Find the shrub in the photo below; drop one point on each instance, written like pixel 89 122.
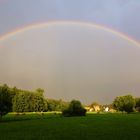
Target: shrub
pixel 75 108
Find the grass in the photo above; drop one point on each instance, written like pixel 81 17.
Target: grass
pixel 52 126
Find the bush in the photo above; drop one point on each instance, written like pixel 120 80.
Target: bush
pixel 74 109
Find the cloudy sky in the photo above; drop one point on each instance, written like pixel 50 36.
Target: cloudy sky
pixel 71 60
pixel 121 15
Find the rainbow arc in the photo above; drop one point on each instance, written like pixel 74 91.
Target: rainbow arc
pixel 51 23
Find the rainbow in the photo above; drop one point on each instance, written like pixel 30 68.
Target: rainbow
pixel 91 25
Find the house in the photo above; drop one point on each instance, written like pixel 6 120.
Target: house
pixel 94 108
pixel 106 109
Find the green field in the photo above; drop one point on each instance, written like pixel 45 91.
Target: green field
pixel 55 127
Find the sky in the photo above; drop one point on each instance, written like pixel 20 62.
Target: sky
pixel 71 60
pixel 121 15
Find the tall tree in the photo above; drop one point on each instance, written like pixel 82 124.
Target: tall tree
pixel 5 100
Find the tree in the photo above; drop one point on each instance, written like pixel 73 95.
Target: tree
pixel 38 102
pixel 75 108
pixel 51 104
pixel 5 100
pixel 124 103
pixel 40 90
pixel 57 105
pixel 137 104
pixel 62 105
pixel 22 102
pixel 45 105
pixel 27 101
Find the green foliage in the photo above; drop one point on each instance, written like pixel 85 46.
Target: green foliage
pixel 56 105
pixel 40 91
pixel 137 104
pixel 75 108
pixel 5 100
pixel 14 99
pixel 38 102
pixel 22 102
pixel 51 104
pixel 124 103
pixel 45 105
pixel 28 102
pixel 13 91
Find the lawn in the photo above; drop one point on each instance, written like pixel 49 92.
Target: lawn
pixel 52 126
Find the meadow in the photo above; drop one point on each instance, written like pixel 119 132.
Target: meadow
pixel 52 126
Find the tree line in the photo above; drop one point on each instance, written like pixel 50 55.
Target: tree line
pixel 18 100
pixel 126 103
